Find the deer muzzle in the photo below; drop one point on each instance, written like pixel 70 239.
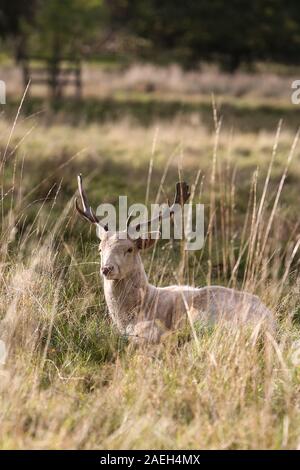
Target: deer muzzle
pixel 107 269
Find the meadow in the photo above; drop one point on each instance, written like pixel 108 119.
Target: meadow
pixel 69 379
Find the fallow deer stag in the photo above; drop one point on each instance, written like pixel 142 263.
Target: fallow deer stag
pixel 147 313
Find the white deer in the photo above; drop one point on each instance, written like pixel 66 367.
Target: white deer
pixel 147 313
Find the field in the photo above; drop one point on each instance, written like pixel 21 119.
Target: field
pixel 69 380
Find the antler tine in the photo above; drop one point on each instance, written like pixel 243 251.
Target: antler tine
pixel 181 196
pixel 87 212
pixel 182 193
pixel 129 218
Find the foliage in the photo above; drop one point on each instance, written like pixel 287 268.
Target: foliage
pixel 227 32
pixel 65 29
pixel 58 29
pixel 230 33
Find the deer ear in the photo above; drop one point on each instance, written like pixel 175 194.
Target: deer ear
pixel 144 243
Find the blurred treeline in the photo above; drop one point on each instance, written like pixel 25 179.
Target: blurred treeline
pixel 188 32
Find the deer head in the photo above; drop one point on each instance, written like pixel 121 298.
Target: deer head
pixel 119 254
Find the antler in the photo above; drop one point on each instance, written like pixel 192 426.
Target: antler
pixel 182 194
pixel 87 211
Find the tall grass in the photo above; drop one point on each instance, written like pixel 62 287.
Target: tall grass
pixel 70 381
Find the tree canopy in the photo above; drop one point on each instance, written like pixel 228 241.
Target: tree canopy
pixel 189 32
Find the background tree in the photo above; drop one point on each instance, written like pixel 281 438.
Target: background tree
pixel 68 28
pixel 225 32
pixel 13 15
pixel 229 33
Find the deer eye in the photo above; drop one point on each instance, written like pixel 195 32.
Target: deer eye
pixel 130 250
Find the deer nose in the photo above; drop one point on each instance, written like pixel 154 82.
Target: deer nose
pixel 107 269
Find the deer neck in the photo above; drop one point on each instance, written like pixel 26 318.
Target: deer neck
pixel 125 297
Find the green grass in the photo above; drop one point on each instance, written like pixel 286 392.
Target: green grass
pixel 70 380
